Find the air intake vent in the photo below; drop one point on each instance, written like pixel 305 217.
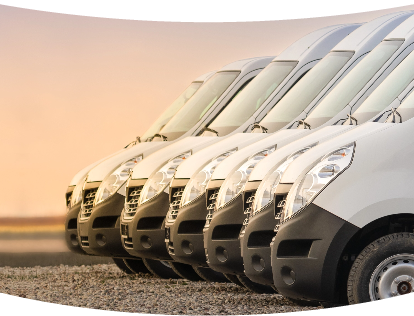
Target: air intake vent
pixel 248 199
pixel 84 241
pixel 280 201
pixel 132 199
pixel 87 202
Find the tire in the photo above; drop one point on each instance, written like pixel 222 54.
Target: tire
pixel 185 271
pixel 122 266
pixel 136 265
pixel 160 269
pixel 255 287
pixel 233 279
pixel 385 268
pixel 210 275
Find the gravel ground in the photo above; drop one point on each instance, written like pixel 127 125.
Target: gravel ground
pixel 104 286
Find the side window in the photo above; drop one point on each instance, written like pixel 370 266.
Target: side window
pixel 231 99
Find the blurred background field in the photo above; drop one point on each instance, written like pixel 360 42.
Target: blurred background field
pixel 38 241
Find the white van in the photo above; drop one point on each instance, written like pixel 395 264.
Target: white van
pixel 225 221
pixel 148 195
pixel 346 215
pixel 187 215
pixel 256 236
pixel 74 191
pixel 103 193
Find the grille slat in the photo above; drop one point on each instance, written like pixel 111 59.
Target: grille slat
pixel 211 198
pixel 87 202
pixel 247 206
pixel 132 198
pixel 177 195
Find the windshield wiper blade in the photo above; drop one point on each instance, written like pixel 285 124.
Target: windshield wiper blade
pixel 393 113
pixel 134 142
pixel 163 137
pixel 257 125
pixel 305 124
pixel 351 118
pixel 208 129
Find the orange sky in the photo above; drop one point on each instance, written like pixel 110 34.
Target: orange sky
pixel 74 89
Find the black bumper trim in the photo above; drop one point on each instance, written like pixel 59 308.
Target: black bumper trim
pixel 315 276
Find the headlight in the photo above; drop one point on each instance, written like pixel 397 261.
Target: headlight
pixel 115 180
pixel 161 179
pixel 267 188
pixel 324 170
pixel 198 183
pixel 77 192
pixel 235 183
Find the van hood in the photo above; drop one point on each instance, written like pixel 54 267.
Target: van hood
pixel 147 167
pixel 303 162
pixel 99 172
pixel 82 173
pixel 198 160
pixel 280 138
pixel 320 135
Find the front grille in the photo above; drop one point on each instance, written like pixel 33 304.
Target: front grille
pixel 170 248
pixel 68 198
pixel 280 201
pixel 175 201
pixel 128 243
pixel 211 202
pixel 248 207
pixel 84 241
pixel 132 199
pixel 87 202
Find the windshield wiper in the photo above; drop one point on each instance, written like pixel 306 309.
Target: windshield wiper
pixel 351 118
pixel 208 129
pixel 257 125
pixel 163 137
pixel 134 142
pixel 393 113
pixel 305 124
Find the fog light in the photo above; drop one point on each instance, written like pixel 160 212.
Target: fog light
pixel 288 275
pixel 258 263
pixel 187 247
pixel 74 240
pixel 101 240
pixel 146 242
pixel 221 254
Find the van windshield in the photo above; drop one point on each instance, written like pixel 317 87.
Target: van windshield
pixel 171 110
pixel 353 82
pixel 242 107
pixel 303 93
pixel 388 90
pixel 199 104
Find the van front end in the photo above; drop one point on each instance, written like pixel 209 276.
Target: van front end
pixel 184 230
pixel 307 253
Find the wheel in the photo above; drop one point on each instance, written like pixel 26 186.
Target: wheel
pixel 136 265
pixel 255 287
pixel 233 279
pixel 385 268
pixel 185 271
pixel 161 269
pixel 121 265
pixel 210 275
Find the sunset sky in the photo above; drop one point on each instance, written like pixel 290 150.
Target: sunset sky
pixel 75 89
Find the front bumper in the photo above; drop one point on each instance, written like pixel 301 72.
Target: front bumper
pixel 185 238
pixel 100 233
pixel 221 238
pixel 306 253
pixel 144 235
pixel 255 245
pixel 71 229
